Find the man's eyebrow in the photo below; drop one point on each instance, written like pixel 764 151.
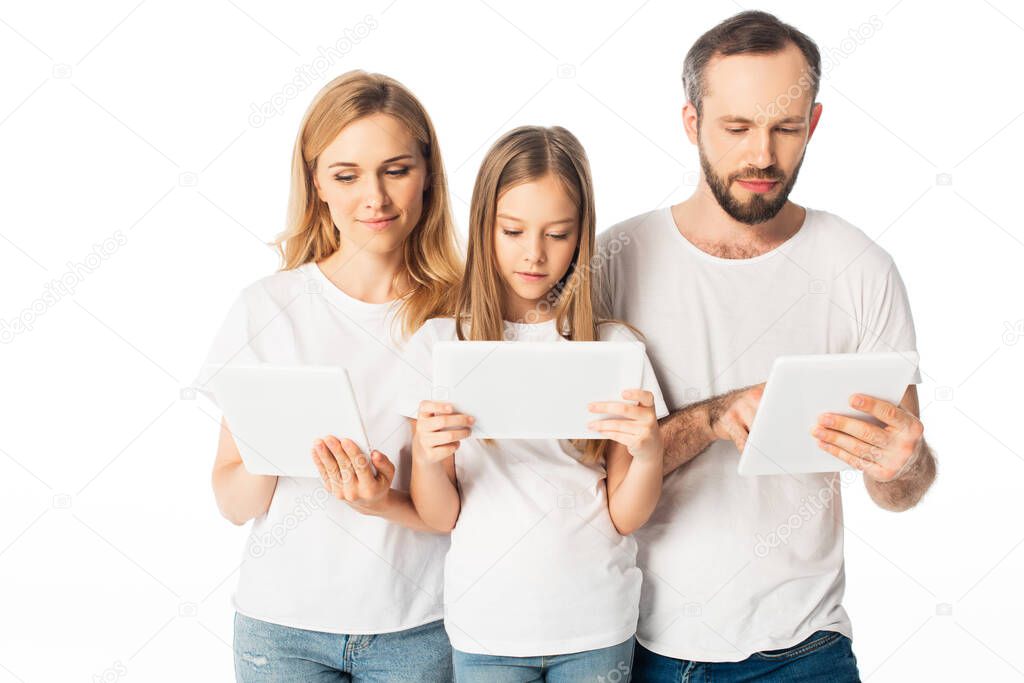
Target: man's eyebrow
pixel 386 161
pixel 518 220
pixel 742 119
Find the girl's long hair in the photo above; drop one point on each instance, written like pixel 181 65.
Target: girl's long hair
pixel 431 263
pixel 524 155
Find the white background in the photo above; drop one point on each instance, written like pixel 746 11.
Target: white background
pixel 132 121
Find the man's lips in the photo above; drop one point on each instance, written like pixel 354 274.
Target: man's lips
pixel 759 186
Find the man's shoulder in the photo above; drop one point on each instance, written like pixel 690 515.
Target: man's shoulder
pixel 856 249
pixel 625 233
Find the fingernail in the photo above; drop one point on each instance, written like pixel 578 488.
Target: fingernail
pixel 857 401
pixel 826 420
pixel 818 432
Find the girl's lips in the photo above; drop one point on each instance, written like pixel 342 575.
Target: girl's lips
pixel 531 277
pixel 759 186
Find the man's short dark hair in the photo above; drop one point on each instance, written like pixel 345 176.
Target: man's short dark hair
pixel 750 32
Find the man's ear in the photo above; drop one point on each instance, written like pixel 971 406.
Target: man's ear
pixel 690 122
pixel 815 116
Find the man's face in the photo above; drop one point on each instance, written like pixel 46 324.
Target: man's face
pixel 753 130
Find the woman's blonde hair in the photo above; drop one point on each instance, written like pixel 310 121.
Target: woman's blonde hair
pixel 523 155
pixel 431 262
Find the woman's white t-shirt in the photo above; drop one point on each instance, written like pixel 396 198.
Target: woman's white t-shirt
pixel 535 566
pixel 311 561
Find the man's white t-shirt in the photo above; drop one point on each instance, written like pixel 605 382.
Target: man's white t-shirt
pixel 735 565
pixel 536 567
pixel 311 561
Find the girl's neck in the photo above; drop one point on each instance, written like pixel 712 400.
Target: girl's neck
pixel 364 275
pixel 520 310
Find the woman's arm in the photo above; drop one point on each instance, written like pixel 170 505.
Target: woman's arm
pixel 240 495
pixel 346 473
pixel 634 462
pixel 437 431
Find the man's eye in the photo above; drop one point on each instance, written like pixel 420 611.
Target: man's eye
pixel 789 131
pixel 736 131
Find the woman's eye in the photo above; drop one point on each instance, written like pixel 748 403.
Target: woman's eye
pixel 397 172
pixel 345 178
pixel 511 233
pixel 558 235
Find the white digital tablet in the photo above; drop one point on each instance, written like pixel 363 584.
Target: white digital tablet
pixel 534 390
pixel 276 413
pixel 800 389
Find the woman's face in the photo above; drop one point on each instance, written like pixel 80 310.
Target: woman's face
pixel 372 178
pixel 535 236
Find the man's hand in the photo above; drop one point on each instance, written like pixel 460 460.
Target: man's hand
pixel 730 415
pixel 882 453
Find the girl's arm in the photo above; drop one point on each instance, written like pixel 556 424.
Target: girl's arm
pixel 240 495
pixel 437 431
pixel 634 462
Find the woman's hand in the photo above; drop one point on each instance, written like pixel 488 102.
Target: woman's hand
pixel 347 474
pixel 438 431
pixel 637 430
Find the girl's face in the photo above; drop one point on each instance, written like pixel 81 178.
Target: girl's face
pixel 372 178
pixel 535 236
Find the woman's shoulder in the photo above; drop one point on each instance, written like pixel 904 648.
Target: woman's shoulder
pixel 437 329
pixel 281 287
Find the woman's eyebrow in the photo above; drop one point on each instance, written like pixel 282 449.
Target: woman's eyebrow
pixel 386 161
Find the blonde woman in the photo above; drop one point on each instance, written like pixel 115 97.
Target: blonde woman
pixel 342 580
pixel 541 581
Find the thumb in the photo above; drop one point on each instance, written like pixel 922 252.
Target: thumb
pixel 383 465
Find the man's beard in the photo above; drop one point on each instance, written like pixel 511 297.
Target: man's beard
pixel 757 209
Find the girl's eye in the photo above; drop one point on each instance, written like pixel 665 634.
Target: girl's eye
pixel 398 172
pixel 345 178
pixel 511 233
pixel 559 236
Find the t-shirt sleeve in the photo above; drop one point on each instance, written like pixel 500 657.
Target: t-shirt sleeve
pixel 230 346
pixel 618 332
pixel 888 324
pixel 416 377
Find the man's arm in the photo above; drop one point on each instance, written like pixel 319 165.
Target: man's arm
pixel 689 431
pixel 897 463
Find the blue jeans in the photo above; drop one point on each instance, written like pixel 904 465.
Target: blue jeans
pixel 267 652
pixel 604 665
pixel 825 657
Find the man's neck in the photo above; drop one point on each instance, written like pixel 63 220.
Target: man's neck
pixel 703 222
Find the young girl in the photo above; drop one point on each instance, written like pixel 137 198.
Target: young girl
pixel 345 589
pixel 541 579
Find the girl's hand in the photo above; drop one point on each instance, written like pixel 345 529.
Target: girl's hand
pixel 438 431
pixel 346 473
pixel 639 431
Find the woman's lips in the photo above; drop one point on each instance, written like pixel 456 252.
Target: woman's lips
pixel 759 186
pixel 379 224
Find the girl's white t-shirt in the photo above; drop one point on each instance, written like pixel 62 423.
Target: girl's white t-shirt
pixel 535 566
pixel 311 561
